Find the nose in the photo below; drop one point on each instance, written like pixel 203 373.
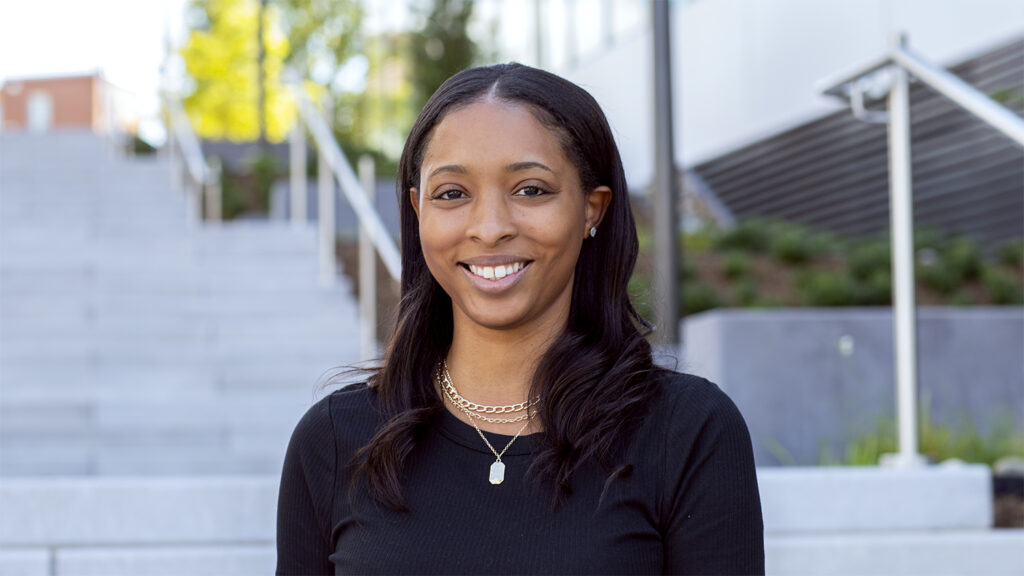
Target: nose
pixel 491 220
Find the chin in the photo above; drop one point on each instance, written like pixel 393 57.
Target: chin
pixel 496 321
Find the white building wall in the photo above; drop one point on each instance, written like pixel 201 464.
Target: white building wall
pixel 746 69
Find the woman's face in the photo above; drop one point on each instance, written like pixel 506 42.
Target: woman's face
pixel 502 216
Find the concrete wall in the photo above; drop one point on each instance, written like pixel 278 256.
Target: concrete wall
pixel 807 378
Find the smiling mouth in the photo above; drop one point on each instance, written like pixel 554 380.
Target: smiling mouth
pixel 496 272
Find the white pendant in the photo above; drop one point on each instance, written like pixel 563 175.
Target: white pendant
pixel 497 472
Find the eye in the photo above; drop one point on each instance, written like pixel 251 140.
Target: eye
pixel 450 194
pixel 531 191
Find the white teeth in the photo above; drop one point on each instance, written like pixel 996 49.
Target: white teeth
pixel 496 272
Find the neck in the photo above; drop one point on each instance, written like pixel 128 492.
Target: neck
pixel 496 367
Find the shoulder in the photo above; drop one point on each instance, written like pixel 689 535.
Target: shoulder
pixel 345 419
pixel 688 405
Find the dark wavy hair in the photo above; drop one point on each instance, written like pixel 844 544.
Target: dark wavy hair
pixel 596 377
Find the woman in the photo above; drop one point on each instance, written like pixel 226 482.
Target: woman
pixel 518 424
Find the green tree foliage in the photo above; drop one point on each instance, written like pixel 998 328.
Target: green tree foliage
pixel 323 34
pixel 221 59
pixel 221 53
pixel 441 47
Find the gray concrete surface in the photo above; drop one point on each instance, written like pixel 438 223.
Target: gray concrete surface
pixel 812 380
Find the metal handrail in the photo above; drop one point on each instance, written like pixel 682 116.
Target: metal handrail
pixel 205 176
pixel 345 176
pixel 900 63
pixel 333 167
pixel 969 98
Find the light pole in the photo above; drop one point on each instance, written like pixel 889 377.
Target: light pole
pixel 666 257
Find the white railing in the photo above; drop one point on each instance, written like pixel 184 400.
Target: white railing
pixel 900 63
pixel 201 178
pixel 333 167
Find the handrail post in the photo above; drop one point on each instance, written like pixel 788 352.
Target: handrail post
pixel 367 268
pixel 214 193
pixel 297 157
pixel 902 222
pixel 194 192
pixel 174 155
pixel 325 209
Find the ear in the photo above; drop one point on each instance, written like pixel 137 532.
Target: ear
pixel 596 202
pixel 414 199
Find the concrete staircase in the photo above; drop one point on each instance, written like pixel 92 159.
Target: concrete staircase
pixel 134 342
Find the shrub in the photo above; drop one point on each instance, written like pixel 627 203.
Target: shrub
pixel 870 257
pixel 698 298
pixel 699 241
pixel 825 288
pixel 1002 287
pixel 939 278
pixel 963 259
pixel 961 298
pixel 640 296
pixel 792 244
pixel 749 236
pixel 937 441
pixel 876 290
pixel 735 265
pixel 745 293
pixel 1012 254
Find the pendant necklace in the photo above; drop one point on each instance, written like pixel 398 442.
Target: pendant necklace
pixel 497 471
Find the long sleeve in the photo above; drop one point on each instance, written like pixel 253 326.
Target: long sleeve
pixel 713 508
pixel 306 495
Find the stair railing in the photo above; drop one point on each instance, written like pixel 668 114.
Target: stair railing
pixel 374 237
pixel 189 169
pixel 900 63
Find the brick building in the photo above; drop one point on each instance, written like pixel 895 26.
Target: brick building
pixel 79 102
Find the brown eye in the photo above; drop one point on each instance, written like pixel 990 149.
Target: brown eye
pixel 531 191
pixel 450 194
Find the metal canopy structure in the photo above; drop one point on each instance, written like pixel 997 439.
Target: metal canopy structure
pixel 900 63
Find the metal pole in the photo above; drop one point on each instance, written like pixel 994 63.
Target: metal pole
pixel 572 53
pixel 297 157
pixel 538 34
pixel 174 154
pixel 902 224
pixel 214 200
pixel 261 83
pixel 367 269
pixel 325 209
pixel 608 22
pixel 664 192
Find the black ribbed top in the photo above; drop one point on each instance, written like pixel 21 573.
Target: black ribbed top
pixel 689 503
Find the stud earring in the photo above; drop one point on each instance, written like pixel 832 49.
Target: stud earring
pixel 593 231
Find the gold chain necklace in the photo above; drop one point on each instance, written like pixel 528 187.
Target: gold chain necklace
pixel 458 400
pixel 520 418
pixel 497 471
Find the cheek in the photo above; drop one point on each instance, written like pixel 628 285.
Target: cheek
pixel 436 240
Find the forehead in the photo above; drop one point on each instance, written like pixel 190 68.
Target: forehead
pixel 492 132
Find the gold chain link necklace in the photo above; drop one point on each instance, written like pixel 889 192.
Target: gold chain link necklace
pixel 497 470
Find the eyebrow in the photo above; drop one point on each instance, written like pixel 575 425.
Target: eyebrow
pixel 514 167
pixel 448 168
pixel 520 166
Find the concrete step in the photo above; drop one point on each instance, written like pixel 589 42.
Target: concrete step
pixel 239 559
pixel 897 553
pixel 137 511
pixel 88 377
pixel 867 498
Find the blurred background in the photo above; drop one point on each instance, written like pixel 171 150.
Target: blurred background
pixel 198 228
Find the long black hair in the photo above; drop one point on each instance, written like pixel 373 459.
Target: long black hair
pixel 596 377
